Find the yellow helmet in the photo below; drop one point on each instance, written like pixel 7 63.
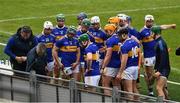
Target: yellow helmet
pixel 114 20
pixel 110 27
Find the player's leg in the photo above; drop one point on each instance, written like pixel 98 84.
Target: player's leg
pixel 128 81
pixel 116 83
pixel 56 72
pixel 135 77
pixel 108 75
pixel 82 70
pixel 76 73
pixel 129 88
pixel 160 86
pixel 148 75
pixel 50 69
pixel 166 90
pixel 106 80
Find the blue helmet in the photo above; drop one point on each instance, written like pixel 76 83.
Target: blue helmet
pixel 129 19
pixel 82 15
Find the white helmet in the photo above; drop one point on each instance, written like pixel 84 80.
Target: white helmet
pixel 95 19
pixel 122 16
pixel 148 17
pixel 48 25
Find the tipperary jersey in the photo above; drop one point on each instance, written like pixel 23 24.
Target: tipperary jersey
pixel 67 50
pixel 49 41
pixel 113 42
pixel 131 47
pixel 100 37
pixel 133 31
pixel 59 32
pixel 148 42
pixel 92 48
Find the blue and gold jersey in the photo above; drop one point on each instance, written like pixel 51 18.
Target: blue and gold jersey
pixel 49 41
pixel 67 50
pixel 100 38
pixel 92 48
pixel 148 42
pixel 131 47
pixel 59 32
pixel 113 42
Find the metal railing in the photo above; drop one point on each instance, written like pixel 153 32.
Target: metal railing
pixel 35 88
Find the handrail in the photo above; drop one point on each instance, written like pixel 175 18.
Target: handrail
pixel 83 84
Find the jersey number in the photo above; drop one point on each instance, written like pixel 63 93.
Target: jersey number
pixel 135 52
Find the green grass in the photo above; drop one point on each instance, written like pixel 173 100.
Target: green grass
pixel 37 8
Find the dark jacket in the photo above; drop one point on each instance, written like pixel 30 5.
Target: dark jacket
pixel 16 46
pixel 178 51
pixel 162 64
pixel 35 62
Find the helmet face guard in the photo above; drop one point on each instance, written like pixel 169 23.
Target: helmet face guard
pixel 81 16
pixel 71 32
pixel 86 22
pixel 60 18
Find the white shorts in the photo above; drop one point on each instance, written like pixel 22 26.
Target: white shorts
pixel 112 72
pixel 50 66
pixel 149 61
pixel 92 80
pixel 130 73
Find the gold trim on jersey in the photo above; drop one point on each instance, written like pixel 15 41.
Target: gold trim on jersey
pixel 68 48
pixel 116 48
pixel 59 37
pixel 49 45
pixel 94 57
pixel 98 40
pixel 148 39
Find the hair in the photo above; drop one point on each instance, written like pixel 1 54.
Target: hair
pixel 26 29
pixel 122 32
pixel 41 49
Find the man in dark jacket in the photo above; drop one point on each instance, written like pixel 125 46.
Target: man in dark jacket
pixel 37 59
pixel 18 46
pixel 162 65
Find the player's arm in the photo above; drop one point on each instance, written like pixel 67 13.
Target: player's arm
pixel 168 26
pixel 55 55
pixel 107 57
pixel 89 61
pixel 77 58
pixel 134 38
pixel 124 59
pixel 140 57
